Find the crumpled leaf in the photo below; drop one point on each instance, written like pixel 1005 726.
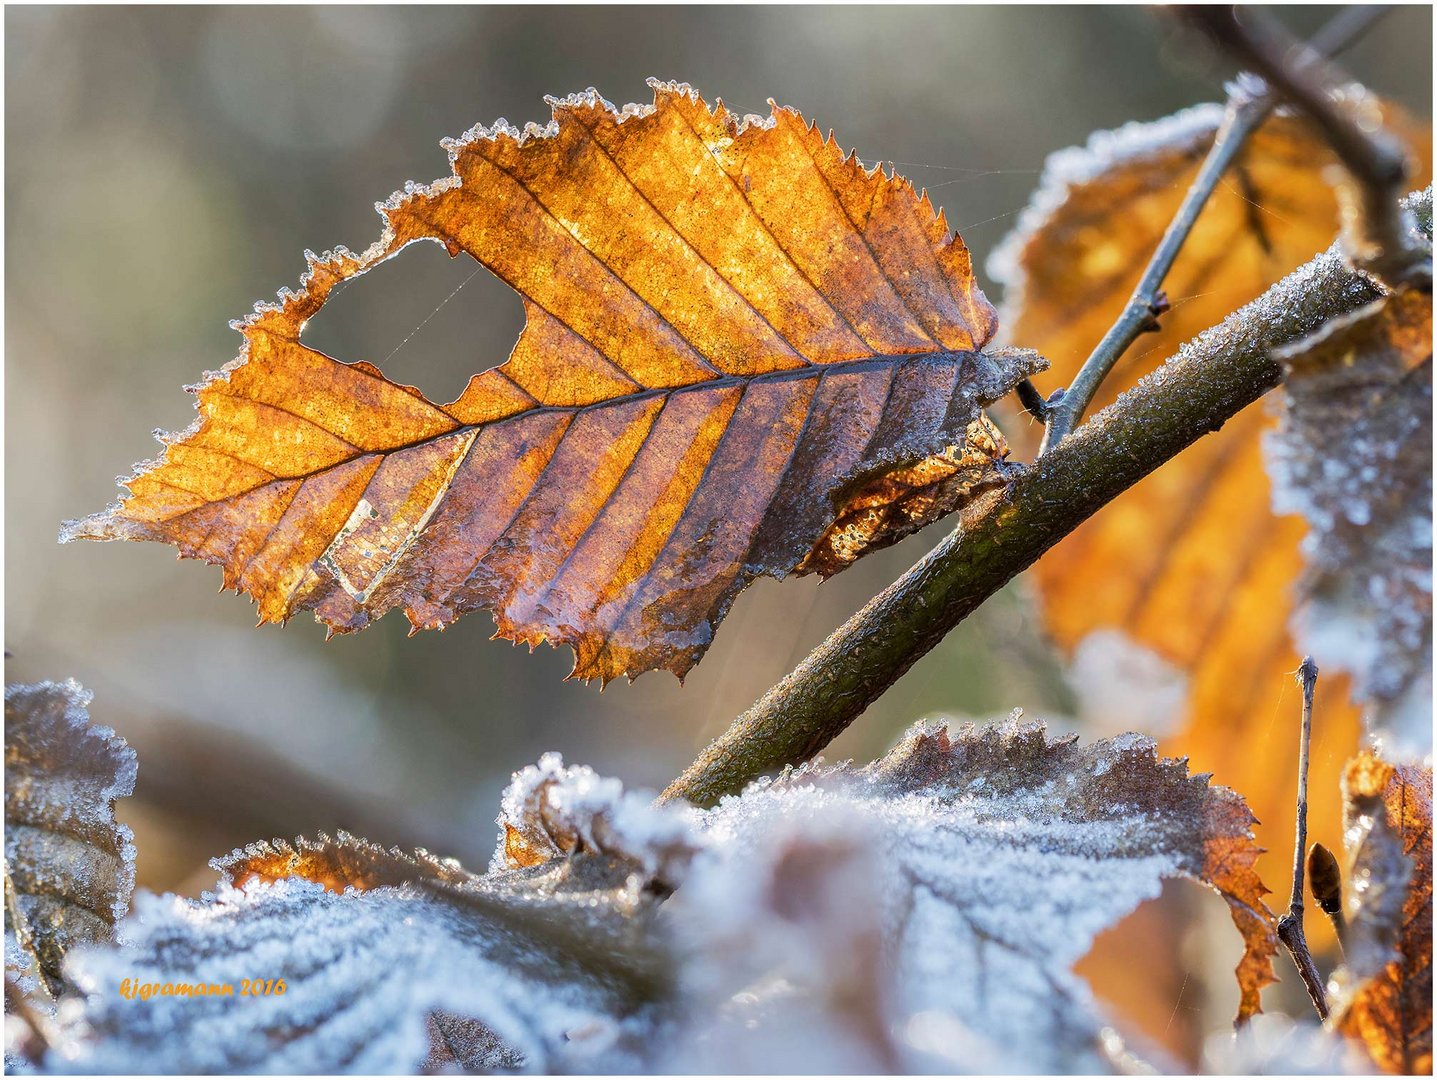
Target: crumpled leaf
pixel 1000 855
pixel 1383 993
pixel 921 913
pixel 1352 453
pixel 1191 563
pixel 551 810
pixel 733 328
pixel 388 959
pixel 69 866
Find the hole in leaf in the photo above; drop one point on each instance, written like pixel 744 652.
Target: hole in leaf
pixel 422 318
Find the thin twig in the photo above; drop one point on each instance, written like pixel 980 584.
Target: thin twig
pixel 1248 106
pixel 1374 229
pixel 1289 927
pixel 999 536
pixel 33 1045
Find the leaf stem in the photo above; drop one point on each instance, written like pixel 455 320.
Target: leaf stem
pixel 1205 384
pixel 1248 105
pixel 1289 927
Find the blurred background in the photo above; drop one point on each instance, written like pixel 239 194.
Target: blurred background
pixel 166 167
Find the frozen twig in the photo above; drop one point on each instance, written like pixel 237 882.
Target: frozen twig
pixel 1248 106
pixel 1289 927
pixel 1374 229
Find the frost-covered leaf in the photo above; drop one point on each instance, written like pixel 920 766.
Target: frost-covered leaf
pixel 922 913
pixel 1352 453
pixel 551 810
pixel 1192 562
pixel 388 960
pixel 1383 993
pixel 1278 1045
pixel 69 866
pixel 745 354
pixel 996 857
pixel 784 967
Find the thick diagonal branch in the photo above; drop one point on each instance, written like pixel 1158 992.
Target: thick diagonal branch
pixel 1201 388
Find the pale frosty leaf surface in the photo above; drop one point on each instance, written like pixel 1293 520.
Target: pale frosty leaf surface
pixel 69 865
pixel 919 914
pixel 1352 454
pixel 388 960
pixel 1278 1045
pixel 999 855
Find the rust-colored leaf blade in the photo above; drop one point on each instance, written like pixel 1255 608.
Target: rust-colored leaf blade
pixel 732 327
pixel 1384 990
pixel 1191 563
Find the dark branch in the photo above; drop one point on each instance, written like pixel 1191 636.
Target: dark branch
pixel 1243 117
pixel 1203 386
pixel 1289 927
pixel 1375 231
pixel 1247 107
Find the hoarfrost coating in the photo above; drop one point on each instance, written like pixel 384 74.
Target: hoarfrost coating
pixel 920 914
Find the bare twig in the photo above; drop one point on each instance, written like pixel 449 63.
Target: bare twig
pixel 1248 106
pixel 1375 232
pixel 1209 381
pixel 1147 302
pixel 1289 927
pixel 36 1041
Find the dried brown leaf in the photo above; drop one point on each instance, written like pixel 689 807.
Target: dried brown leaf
pixel 69 866
pixel 732 327
pixel 1384 990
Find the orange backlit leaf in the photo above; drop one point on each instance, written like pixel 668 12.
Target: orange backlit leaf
pixel 732 327
pixel 1191 563
pixel 1384 989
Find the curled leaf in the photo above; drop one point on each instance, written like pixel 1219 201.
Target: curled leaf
pixel 920 913
pixel 732 329
pixel 551 810
pixel 1352 453
pixel 69 865
pixel 1383 992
